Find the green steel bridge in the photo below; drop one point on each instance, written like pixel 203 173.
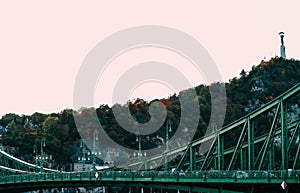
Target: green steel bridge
pixel 192 181
pixel 256 153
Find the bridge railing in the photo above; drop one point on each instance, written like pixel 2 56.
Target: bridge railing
pixel 150 175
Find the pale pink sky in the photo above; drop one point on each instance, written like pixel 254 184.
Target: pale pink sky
pixel 43 44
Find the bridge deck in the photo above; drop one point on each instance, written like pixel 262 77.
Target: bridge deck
pixel 197 178
pixel 161 176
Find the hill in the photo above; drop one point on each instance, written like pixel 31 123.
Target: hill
pixel 244 94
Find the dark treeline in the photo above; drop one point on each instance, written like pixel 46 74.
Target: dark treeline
pixel 244 94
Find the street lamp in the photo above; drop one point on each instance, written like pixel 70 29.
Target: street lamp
pixel 168 130
pixel 139 154
pixel 84 156
pixel 138 139
pixel 39 159
pixel 95 152
pixel 35 152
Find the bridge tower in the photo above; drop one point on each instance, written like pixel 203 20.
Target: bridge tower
pixel 282 47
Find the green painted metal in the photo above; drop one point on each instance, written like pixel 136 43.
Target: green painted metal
pixel 17 164
pixel 296 161
pixel 159 163
pixel 225 180
pixel 294 136
pixel 269 140
pixel 243 159
pixel 166 165
pixel 284 138
pixel 209 154
pixel 231 150
pixel 182 159
pixel 249 161
pixel 192 156
pixel 250 143
pixel 220 155
pixel 237 148
pixel 271 165
pixel 248 155
pixel 215 160
pixel 256 141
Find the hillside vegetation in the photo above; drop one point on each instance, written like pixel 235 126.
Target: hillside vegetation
pixel 245 93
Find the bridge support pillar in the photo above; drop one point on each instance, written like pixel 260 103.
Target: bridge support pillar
pixel 250 144
pixel 271 157
pixel 243 159
pixel 220 152
pixel 284 140
pixel 166 166
pixel 296 161
pixel 192 158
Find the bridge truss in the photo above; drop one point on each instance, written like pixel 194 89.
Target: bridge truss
pixel 11 165
pixel 261 148
pixel 266 139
